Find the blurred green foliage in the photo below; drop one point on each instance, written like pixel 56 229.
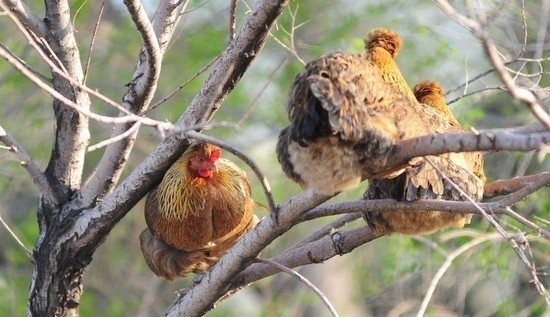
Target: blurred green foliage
pixel 388 275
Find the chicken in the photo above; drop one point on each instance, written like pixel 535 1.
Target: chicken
pixel 424 182
pixel 432 94
pixel 382 46
pixel 343 117
pixel 347 112
pixel 201 208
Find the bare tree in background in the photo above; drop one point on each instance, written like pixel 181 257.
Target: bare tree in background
pixel 77 213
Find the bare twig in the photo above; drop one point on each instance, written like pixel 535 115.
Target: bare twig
pixel 92 41
pixel 292 48
pixel 471 80
pixel 180 87
pixel 302 279
pixel 29 253
pixel 114 139
pixel 524 26
pixel 517 92
pixel 543 28
pixel 94 116
pixel 24 64
pixel 478 29
pixel 512 214
pixel 488 140
pixel 538 284
pixel 148 86
pixel 445 266
pixel 25 15
pixel 57 68
pixel 232 18
pixel 256 99
pixel 507 186
pixel 28 164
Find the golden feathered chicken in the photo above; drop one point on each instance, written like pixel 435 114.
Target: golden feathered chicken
pixel 201 208
pixel 424 182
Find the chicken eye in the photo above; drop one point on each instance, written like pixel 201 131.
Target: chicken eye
pixel 201 160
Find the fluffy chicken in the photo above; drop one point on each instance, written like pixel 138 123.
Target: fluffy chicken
pixel 201 208
pixel 347 112
pixel 423 181
pixel 431 93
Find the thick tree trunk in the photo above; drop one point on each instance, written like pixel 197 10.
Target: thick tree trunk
pixel 56 280
pixel 57 277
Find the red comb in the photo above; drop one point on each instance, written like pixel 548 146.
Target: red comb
pixel 215 155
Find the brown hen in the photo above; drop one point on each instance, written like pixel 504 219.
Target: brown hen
pixel 347 111
pixel 424 181
pixel 432 94
pixel 382 46
pixel 202 206
pixel 344 121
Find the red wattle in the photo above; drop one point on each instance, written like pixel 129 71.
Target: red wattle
pixel 205 173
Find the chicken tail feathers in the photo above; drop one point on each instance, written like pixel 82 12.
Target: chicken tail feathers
pixel 423 181
pixel 170 263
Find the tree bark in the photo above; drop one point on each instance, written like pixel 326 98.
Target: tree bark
pixel 56 279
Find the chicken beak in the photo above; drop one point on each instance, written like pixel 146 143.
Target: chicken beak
pixel 215 168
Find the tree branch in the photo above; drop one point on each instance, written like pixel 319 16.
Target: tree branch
pixel 218 280
pixel 130 118
pixel 43 49
pixel 44 186
pixel 508 186
pixel 183 85
pixel 302 279
pixel 488 140
pixel 137 98
pixel 92 41
pixel 151 72
pixel 71 134
pixel 478 29
pixel 26 16
pixel 318 251
pixel 14 236
pixel 307 251
pixel 448 261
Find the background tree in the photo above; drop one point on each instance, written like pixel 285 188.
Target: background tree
pixel 104 156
